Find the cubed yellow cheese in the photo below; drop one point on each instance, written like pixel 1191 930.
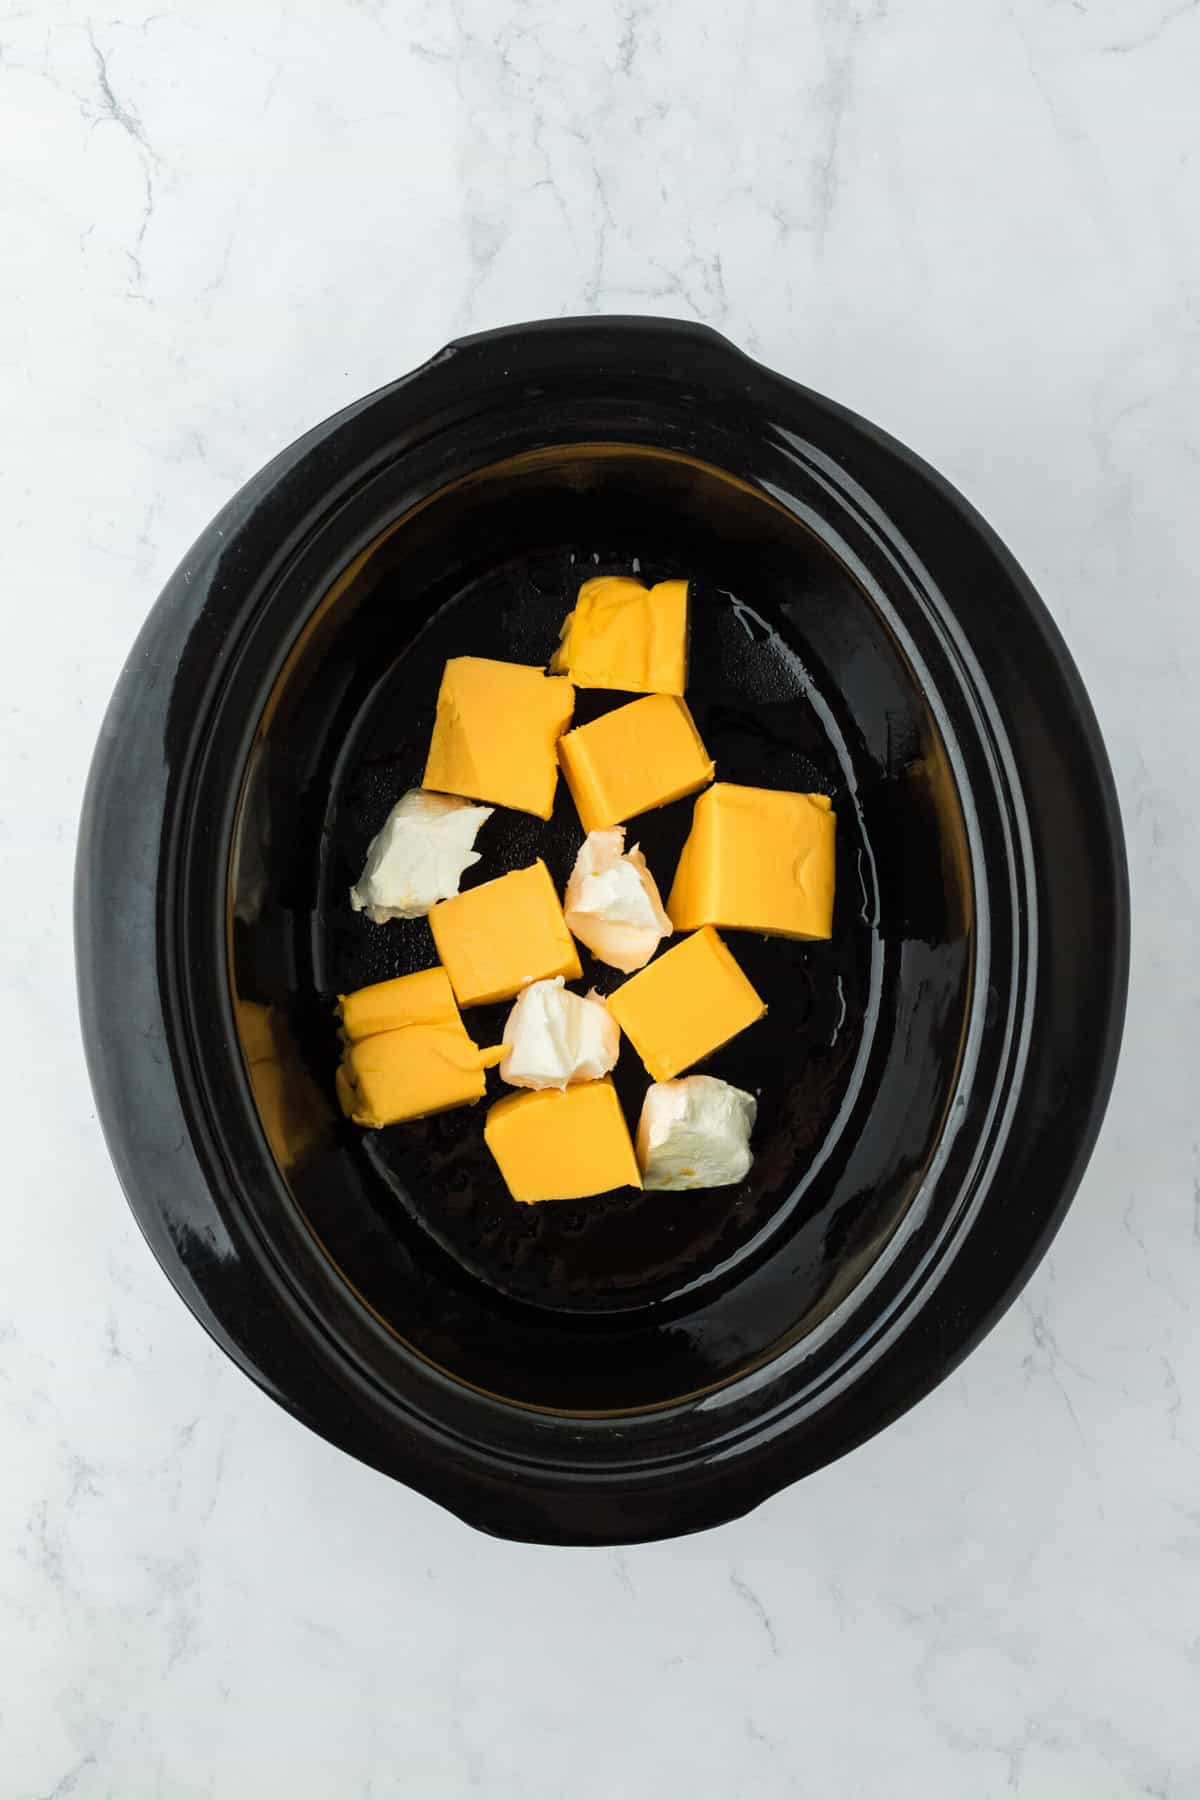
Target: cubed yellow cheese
pixel 407 1051
pixel 499 936
pixel 685 1005
pixel 638 757
pixel 423 999
pixel 757 859
pixel 567 1145
pixel 497 727
pixel 623 634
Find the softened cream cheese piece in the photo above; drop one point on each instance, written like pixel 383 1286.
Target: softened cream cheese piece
pixel 613 904
pixel 695 1133
pixel 419 857
pixel 553 1037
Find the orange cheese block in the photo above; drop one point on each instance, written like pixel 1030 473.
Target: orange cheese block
pixel 757 859
pixel 562 1144
pixel 422 999
pixel 496 938
pixel 496 732
pixel 628 761
pixel 407 1052
pixel 623 634
pixel 685 1004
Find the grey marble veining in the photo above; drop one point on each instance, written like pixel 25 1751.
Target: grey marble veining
pixel 978 225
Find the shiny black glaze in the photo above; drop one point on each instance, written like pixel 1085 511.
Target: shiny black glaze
pixel 679 1291
pixel 931 1081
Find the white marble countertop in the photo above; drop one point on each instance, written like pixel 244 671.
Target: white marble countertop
pixel 976 224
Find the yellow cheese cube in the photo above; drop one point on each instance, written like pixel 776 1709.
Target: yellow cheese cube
pixel 497 937
pixel 623 634
pixel 495 734
pixel 562 1145
pixel 407 1051
pixel 423 999
pixel 685 1005
pixel 638 757
pixel 757 859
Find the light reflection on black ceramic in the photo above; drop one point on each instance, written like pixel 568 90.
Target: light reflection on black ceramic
pixel 930 1081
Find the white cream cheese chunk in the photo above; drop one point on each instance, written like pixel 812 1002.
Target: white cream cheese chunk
pixel 695 1133
pixel 613 904
pixel 419 857
pixel 553 1037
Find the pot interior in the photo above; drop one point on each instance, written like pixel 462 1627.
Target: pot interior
pixel 630 1300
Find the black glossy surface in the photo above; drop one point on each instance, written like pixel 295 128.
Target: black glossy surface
pixel 931 1081
pixel 855 1060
